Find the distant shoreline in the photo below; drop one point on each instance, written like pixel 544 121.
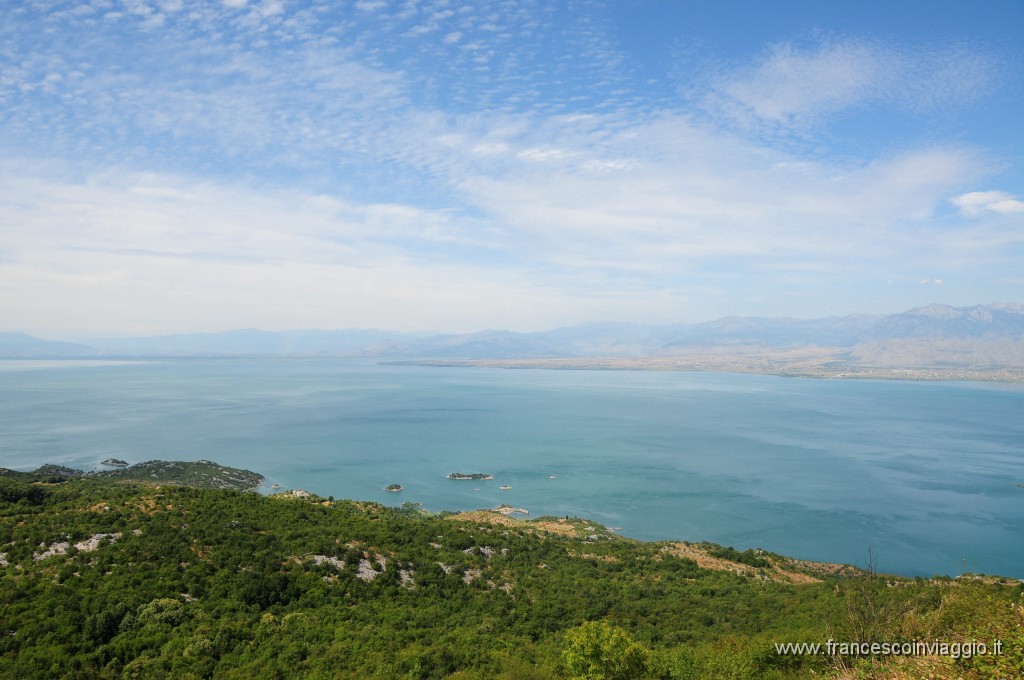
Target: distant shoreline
pixel 746 365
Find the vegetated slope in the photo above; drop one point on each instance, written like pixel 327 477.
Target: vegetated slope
pixel 202 474
pixel 104 579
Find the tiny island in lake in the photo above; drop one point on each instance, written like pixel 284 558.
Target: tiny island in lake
pixel 475 475
pixel 394 488
pixel 115 462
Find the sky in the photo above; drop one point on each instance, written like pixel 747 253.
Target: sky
pixel 446 165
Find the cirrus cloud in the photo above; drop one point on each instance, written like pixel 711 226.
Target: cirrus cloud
pixel 794 86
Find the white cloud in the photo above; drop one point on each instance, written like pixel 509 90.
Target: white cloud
pixel 270 8
pixel 606 166
pixel 490 148
pixel 421 29
pixel 543 155
pixel 975 203
pixel 154 21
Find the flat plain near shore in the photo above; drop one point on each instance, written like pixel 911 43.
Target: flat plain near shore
pixel 814 366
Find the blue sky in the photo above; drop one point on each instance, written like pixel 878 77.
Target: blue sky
pixel 175 165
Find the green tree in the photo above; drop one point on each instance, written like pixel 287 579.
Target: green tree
pixel 597 650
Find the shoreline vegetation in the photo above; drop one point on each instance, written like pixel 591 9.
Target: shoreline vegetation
pixel 113 578
pixel 205 474
pixel 813 366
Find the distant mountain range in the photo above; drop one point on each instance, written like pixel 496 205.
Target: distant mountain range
pixel 982 336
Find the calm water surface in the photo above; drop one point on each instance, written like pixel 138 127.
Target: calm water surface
pixel 923 474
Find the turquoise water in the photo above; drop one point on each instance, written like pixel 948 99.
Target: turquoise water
pixel 921 473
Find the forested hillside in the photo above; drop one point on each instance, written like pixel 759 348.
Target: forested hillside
pixel 107 579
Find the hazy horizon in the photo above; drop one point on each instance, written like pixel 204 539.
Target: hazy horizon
pixel 71 337
pixel 173 166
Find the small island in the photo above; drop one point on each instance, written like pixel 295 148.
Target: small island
pixel 115 462
pixel 394 488
pixel 475 475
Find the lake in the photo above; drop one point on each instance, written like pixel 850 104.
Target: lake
pixel 921 473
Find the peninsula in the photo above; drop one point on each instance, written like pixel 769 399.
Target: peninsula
pixel 201 474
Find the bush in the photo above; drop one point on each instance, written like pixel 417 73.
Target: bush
pixel 599 651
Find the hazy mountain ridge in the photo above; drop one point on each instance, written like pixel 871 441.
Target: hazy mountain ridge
pixel 940 335
pixel 249 341
pixel 22 346
pixel 936 335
